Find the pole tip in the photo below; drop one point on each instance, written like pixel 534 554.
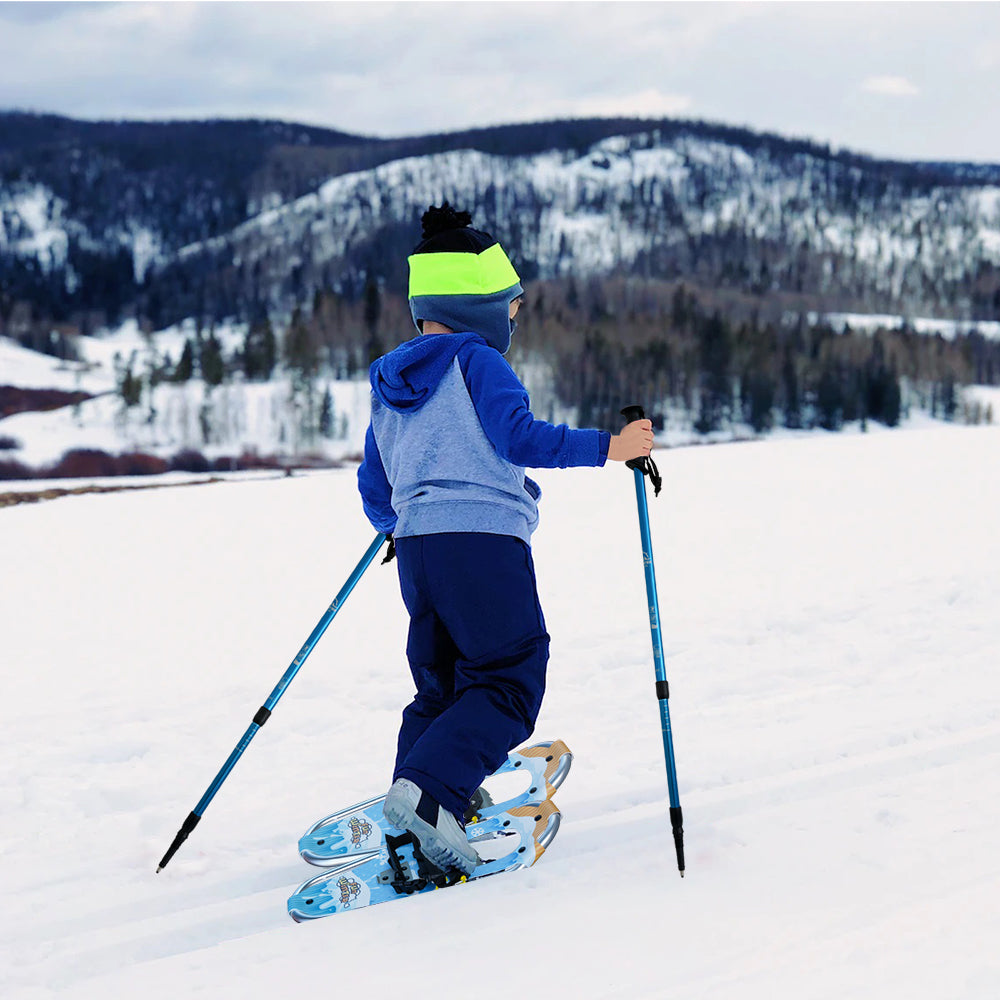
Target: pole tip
pixel 159 868
pixel 682 873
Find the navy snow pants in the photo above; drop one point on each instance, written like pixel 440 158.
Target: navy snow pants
pixel 477 649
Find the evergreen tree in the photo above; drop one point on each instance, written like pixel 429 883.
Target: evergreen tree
pixel 893 407
pixel 301 353
pixel 853 394
pixel 130 388
pixel 260 351
pixel 829 400
pixel 680 308
pixel 716 391
pixel 757 397
pixel 213 368
pixel 883 395
pixel 948 398
pixel 373 312
pixel 326 415
pixel 185 366
pixel 302 357
pixel 793 398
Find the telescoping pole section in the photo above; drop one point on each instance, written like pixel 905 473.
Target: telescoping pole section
pixel 641 468
pixel 264 712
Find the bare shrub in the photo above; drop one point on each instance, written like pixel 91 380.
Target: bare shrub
pixel 82 463
pixel 15 470
pixel 137 463
pixel 190 460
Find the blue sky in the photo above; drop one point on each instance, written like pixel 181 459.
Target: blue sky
pixel 907 80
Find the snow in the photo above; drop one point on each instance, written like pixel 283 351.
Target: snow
pixel 711 184
pixel 31 370
pixel 225 421
pixel 35 214
pixel 245 417
pixel 830 609
pixel 146 251
pixel 99 354
pixel 949 329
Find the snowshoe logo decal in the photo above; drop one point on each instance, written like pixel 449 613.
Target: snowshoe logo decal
pixel 350 889
pixel 361 829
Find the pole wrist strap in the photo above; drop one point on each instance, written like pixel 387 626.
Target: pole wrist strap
pixel 647 467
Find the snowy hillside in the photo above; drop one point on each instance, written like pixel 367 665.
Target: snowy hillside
pixel 640 204
pixel 223 218
pixel 579 200
pixel 834 694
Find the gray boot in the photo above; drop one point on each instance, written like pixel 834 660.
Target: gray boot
pixel 441 837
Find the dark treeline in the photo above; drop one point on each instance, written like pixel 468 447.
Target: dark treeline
pixel 680 351
pixel 688 356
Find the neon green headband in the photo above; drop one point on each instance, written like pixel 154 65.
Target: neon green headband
pixel 461 273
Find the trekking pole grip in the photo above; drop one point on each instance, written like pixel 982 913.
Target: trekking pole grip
pixel 631 414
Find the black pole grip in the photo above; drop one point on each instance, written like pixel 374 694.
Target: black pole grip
pixel 631 414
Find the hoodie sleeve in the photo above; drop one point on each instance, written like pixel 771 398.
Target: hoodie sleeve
pixel 376 494
pixel 502 405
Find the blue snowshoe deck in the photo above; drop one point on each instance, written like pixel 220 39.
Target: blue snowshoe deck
pixel 361 829
pixel 399 869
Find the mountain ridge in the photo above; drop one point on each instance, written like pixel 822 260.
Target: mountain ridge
pixel 94 216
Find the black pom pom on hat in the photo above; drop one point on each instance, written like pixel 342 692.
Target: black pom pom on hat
pixel 439 220
pixel 449 230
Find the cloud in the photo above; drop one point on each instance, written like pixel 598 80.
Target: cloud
pixel 649 103
pixel 987 55
pixel 890 86
pixel 33 13
pixel 410 68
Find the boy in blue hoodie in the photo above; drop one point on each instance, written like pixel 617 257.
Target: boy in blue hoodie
pixel 450 437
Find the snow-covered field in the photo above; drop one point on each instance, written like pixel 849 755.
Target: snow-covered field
pixel 832 622
pixel 227 420
pixel 267 418
pixel 949 329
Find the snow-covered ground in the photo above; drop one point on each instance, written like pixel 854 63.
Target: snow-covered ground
pixel 225 420
pixel 99 355
pixel 831 609
pixel 949 329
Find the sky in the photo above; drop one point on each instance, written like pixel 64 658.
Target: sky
pixel 904 80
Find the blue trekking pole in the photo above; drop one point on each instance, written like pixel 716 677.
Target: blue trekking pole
pixel 643 467
pixel 264 712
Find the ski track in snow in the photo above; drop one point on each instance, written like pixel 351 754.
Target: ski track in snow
pixel 830 614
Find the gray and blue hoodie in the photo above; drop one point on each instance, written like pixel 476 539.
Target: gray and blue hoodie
pixel 450 437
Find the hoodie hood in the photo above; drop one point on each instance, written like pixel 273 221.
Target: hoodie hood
pixel 404 379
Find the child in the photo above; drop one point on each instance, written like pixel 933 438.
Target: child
pixel 450 436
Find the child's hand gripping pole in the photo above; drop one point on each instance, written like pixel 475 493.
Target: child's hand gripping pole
pixel 642 467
